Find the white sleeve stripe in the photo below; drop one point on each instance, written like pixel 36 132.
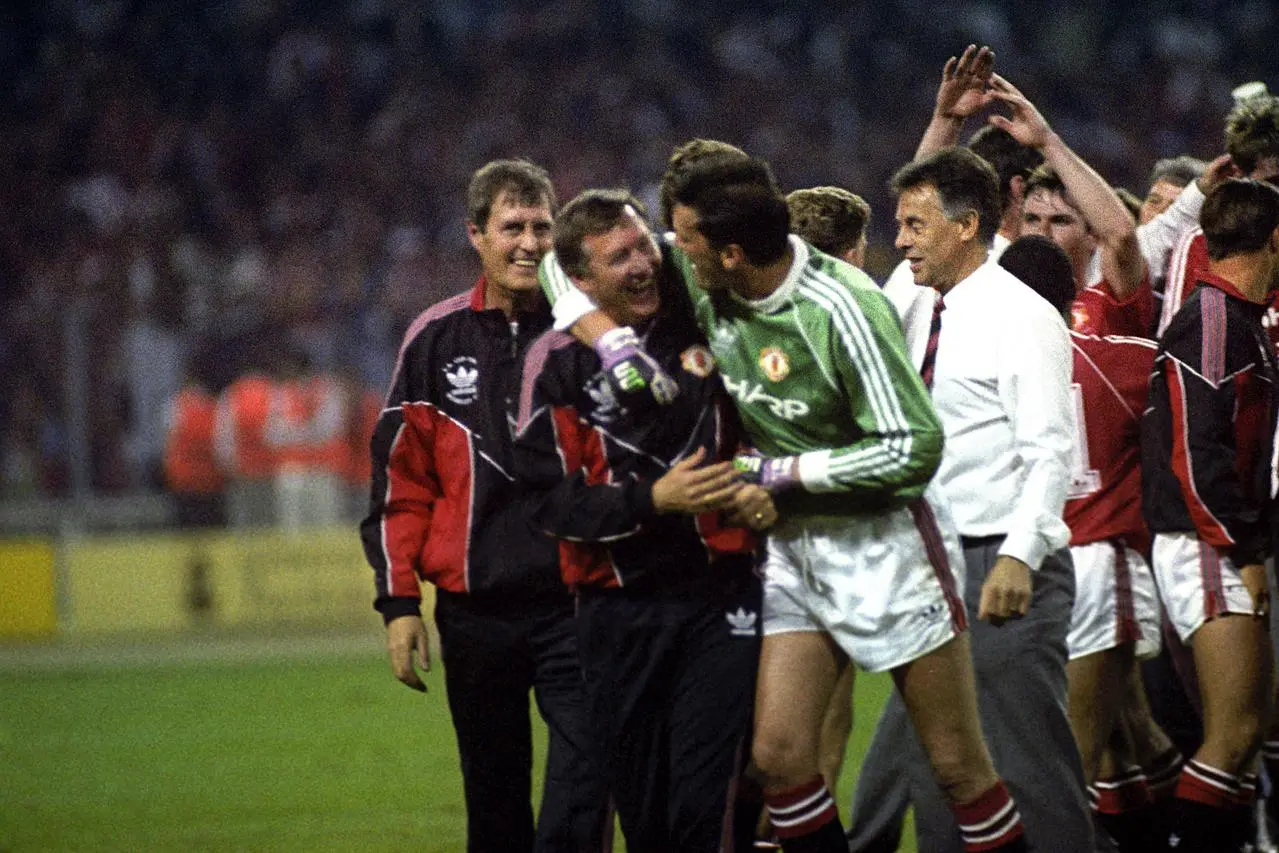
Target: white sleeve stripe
pixel 859 341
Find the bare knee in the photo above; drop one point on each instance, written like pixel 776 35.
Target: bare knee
pixel 782 758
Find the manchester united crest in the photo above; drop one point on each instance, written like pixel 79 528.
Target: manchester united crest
pixel 698 361
pixel 774 363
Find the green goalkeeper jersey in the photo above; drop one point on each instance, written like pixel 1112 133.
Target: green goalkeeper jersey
pixel 819 370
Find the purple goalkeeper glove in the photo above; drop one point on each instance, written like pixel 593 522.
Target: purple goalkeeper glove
pixel 630 370
pixel 773 475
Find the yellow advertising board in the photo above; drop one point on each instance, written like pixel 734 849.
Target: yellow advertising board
pixel 28 591
pixel 168 581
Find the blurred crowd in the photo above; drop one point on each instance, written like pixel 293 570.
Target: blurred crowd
pixel 202 191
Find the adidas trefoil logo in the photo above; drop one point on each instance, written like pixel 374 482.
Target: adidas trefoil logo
pixel 462 374
pixel 741 623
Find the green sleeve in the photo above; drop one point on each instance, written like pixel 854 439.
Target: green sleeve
pixel 900 436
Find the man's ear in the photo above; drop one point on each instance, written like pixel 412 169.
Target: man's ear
pixel 474 233
pixel 1016 190
pixel 732 256
pixel 970 225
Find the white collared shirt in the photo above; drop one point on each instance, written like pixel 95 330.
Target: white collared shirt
pixel 1002 390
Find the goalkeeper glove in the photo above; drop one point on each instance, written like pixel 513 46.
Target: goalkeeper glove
pixel 773 475
pixel 630 370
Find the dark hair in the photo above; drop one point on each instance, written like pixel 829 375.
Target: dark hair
pixel 965 184
pixel 738 203
pixel 681 159
pixel 1239 216
pixel 1252 131
pixel 1008 157
pixel 1180 170
pixel 1044 267
pixel 525 181
pixel 591 212
pixel 831 218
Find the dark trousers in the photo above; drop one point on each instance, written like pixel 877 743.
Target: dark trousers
pixel 494 651
pixel 670 679
pixel 1021 695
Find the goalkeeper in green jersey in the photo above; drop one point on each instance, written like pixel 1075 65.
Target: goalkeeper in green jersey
pixel 860 563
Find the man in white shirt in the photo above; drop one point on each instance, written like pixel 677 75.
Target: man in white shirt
pixel 1000 360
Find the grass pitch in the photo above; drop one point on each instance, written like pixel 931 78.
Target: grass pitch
pixel 232 751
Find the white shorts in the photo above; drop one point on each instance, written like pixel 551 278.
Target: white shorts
pixel 1115 601
pixel 887 587
pixel 1196 581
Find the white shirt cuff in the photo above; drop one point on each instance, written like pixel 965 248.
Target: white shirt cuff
pixel 571 307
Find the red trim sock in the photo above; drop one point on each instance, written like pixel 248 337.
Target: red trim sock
pixel 1118 794
pixel 805 818
pixel 990 822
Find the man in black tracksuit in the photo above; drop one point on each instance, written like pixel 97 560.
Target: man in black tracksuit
pixel 644 505
pixel 446 509
pixel 1208 494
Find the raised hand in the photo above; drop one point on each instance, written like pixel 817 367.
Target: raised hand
pixel 1024 123
pixel 963 89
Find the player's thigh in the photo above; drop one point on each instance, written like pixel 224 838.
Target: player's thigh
pixel 797 672
pixel 940 694
pixel 1236 675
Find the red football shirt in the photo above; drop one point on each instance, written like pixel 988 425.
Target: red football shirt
pixel 1109 386
pixel 1096 311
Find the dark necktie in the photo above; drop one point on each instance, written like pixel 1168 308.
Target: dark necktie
pixel 930 350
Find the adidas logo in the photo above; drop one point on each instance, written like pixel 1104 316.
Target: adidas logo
pixel 462 374
pixel 741 623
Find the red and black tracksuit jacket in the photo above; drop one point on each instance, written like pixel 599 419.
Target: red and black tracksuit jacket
pixel 595 462
pixel 1208 432
pixel 445 506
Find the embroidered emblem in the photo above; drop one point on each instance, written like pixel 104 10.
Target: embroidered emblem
pixel 774 363
pixel 463 375
pixel 601 392
pixel 698 361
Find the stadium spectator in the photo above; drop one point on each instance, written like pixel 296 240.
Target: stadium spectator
pixel 191 471
pixel 445 510
pixel 1207 494
pixel 668 595
pixel 1001 387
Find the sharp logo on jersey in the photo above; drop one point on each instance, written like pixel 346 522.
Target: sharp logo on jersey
pixel 747 394
pixel 742 622
pixel 698 361
pixel 601 392
pixel 462 373
pixel 774 363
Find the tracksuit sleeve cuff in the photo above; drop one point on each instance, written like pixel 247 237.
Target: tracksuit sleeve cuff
pixel 393 607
